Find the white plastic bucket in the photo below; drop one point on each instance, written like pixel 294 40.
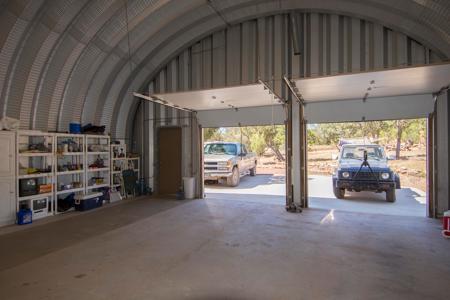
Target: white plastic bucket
pixel 189 187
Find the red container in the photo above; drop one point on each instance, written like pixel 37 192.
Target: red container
pixel 446 224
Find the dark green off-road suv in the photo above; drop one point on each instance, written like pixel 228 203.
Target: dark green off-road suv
pixel 364 168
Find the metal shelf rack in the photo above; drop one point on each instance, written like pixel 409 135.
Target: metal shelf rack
pixel 35 169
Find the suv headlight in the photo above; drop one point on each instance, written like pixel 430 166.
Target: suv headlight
pixel 385 175
pixel 345 174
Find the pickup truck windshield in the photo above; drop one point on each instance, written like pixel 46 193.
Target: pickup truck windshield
pixel 357 152
pixel 229 149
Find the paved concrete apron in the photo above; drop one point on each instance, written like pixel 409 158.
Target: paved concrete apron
pixel 410 201
pixel 222 249
pixel 271 189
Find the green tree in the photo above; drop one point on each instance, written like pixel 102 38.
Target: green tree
pixel 258 144
pixel 256 138
pixel 274 137
pixel 313 138
pixel 386 132
pixel 211 134
pixel 262 137
pixel 416 131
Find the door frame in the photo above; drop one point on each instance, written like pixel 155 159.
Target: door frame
pixel 431 164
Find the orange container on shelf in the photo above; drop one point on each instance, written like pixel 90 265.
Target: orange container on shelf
pixel 45 188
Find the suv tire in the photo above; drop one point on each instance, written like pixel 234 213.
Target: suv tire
pixel 390 195
pixel 339 193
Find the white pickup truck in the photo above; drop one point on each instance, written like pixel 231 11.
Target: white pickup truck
pixel 228 161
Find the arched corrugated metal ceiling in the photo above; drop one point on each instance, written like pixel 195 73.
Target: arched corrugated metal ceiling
pixel 67 60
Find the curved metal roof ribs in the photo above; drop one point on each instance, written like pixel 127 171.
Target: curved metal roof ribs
pixel 67 60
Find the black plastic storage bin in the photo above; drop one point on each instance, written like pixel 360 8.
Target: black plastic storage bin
pixel 88 201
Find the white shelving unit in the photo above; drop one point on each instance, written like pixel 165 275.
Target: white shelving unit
pixel 35 169
pixel 70 165
pixel 97 162
pixel 50 166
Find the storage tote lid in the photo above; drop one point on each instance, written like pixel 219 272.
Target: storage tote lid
pixel 88 196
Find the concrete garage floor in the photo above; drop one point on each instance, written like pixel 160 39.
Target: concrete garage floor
pixel 224 248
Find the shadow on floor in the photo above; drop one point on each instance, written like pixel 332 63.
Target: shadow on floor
pixel 65 230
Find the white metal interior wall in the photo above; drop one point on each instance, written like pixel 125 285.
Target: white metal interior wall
pixel 67 60
pixel 149 119
pixel 262 48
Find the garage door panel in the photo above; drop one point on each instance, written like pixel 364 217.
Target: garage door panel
pixel 387 108
pixel 248 116
pixel 386 83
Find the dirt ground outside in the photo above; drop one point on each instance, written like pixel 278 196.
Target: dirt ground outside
pixel 268 164
pixel 411 166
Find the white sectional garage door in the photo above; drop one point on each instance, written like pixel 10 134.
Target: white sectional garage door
pixel 245 105
pixel 382 95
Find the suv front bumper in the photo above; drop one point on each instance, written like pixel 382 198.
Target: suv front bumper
pixel 364 185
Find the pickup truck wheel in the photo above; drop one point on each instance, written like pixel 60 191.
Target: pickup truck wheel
pixel 253 171
pixel 234 179
pixel 339 193
pixel 390 195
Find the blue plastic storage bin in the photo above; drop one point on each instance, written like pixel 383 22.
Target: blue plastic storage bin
pixel 75 128
pixel 88 201
pixel 24 216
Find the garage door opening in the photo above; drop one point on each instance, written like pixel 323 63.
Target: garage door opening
pixel 348 161
pixel 245 163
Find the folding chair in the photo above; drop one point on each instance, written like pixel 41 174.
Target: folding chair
pixel 129 182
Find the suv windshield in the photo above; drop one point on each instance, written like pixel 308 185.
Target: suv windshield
pixel 229 149
pixel 357 152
